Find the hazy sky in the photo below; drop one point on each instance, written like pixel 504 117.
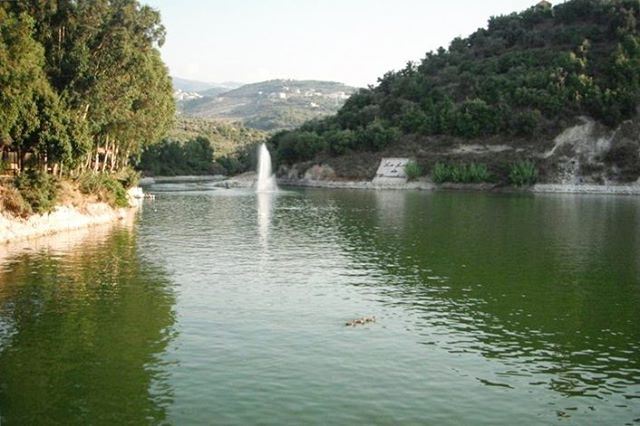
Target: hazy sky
pixel 352 41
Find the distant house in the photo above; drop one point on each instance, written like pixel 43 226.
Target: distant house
pixel 338 96
pixel 543 5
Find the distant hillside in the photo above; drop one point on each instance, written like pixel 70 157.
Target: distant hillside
pixel 518 84
pixel 186 85
pixel 226 138
pixel 186 90
pixel 197 146
pixel 270 105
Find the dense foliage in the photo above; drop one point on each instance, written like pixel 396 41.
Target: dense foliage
pixel 38 190
pixel 107 188
pixel 227 138
pixel 525 73
pixel 198 146
pixel 83 85
pixel 173 158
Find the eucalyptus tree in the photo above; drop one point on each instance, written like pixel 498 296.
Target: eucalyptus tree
pixel 99 85
pixel 32 117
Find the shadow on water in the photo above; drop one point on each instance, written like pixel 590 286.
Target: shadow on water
pixel 83 325
pixel 548 286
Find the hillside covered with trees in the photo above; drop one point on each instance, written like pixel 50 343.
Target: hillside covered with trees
pixel 524 77
pixel 197 146
pixel 83 89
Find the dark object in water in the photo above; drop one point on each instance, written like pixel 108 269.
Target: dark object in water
pixel 360 321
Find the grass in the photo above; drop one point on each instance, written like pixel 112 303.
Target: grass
pixel 523 173
pixel 105 187
pixel 460 173
pixel 413 170
pixel 34 192
pixel 14 203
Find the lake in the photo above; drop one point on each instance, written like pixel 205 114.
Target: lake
pixel 219 306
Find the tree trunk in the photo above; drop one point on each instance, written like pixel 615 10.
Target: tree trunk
pixel 106 155
pixel 114 159
pixel 20 160
pixel 45 163
pixel 96 163
pixel 125 159
pixel 86 111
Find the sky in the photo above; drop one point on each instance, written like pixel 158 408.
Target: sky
pixel 351 41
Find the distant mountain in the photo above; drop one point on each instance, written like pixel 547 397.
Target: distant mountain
pixel 270 105
pixel 185 85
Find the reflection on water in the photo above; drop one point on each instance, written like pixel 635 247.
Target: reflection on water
pixel 229 307
pixel 265 205
pixel 82 322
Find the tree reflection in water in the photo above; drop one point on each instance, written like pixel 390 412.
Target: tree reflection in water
pixel 523 280
pixel 83 326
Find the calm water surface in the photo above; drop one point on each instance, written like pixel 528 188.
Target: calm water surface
pixel 223 307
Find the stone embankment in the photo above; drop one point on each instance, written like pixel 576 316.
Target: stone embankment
pixel 183 179
pixel 423 185
pixel 347 184
pixel 62 218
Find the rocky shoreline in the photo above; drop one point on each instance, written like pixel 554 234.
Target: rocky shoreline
pixel 246 180
pixel 619 189
pixel 63 218
pixel 423 185
pixel 184 178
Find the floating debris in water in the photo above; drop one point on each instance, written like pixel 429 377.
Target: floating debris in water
pixel 360 321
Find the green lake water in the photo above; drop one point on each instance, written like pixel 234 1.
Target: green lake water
pixel 224 307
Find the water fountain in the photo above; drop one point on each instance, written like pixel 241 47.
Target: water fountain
pixel 266 180
pixel 265 187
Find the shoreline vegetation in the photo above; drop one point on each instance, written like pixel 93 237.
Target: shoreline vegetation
pixel 84 93
pixel 554 89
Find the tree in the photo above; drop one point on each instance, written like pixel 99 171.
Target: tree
pixel 94 74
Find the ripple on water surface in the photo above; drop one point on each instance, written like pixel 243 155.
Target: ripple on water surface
pixel 222 306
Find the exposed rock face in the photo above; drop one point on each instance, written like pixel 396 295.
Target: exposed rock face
pixel 589 153
pixel 319 172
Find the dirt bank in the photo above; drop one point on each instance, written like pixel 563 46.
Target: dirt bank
pixel 63 218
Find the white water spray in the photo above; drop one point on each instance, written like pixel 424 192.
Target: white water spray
pixel 266 180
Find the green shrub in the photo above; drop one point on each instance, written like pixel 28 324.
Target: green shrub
pixel 5 167
pixel 13 202
pixel 231 165
pixel 413 170
pixel 107 188
pixel 39 190
pixel 128 177
pixel 523 173
pixel 172 157
pixel 441 173
pixel 461 173
pixel 478 173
